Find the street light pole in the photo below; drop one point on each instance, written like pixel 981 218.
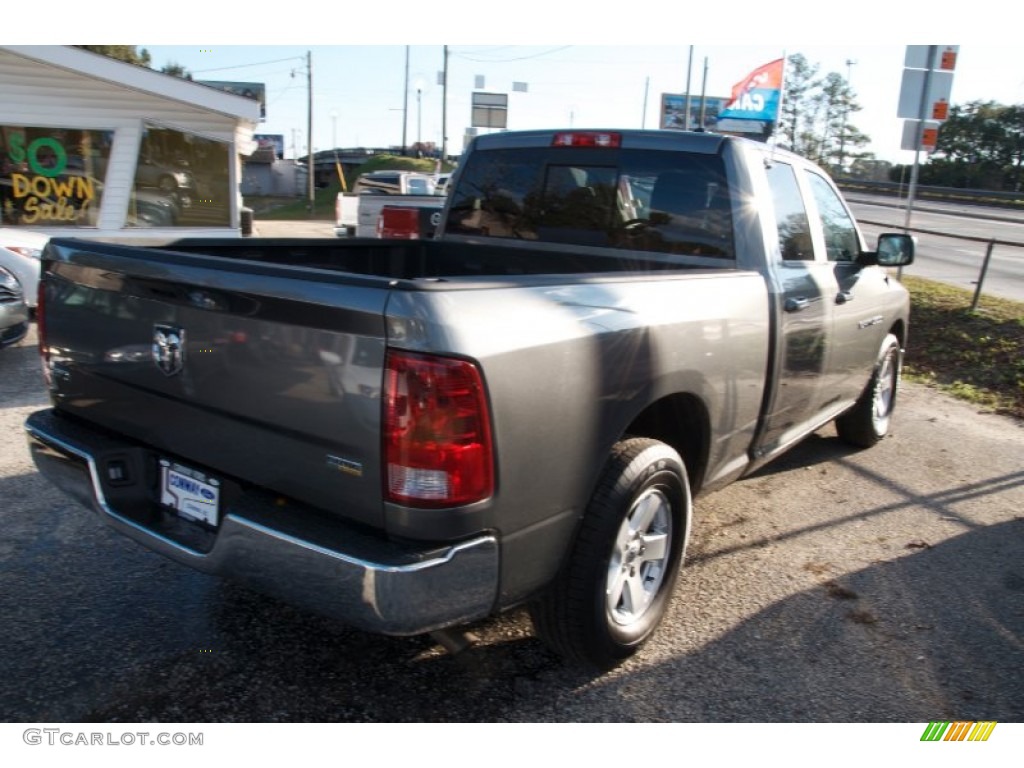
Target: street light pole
pixel 405 105
pixel 444 109
pixel 846 114
pixel 311 163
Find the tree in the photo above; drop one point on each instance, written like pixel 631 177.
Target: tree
pixel 131 55
pixel 128 53
pixel 981 145
pixel 800 82
pixel 815 121
pixel 176 69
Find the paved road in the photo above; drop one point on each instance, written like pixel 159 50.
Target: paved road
pixel 955 259
pixel 885 585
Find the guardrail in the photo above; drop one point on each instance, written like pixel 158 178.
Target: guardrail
pixel 895 189
pixel 991 243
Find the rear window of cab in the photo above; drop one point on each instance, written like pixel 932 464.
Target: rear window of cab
pixel 648 200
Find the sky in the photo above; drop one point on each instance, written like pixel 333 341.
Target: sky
pixel 358 90
pixel 585 65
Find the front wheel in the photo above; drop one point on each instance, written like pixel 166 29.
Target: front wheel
pixel 868 421
pixel 616 585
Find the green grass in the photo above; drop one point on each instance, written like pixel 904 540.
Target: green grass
pixel 297 209
pixel 974 356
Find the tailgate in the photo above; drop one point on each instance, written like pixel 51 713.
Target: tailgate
pixel 263 373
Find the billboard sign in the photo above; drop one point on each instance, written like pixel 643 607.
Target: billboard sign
pixel 673 112
pixel 490 110
pixel 271 141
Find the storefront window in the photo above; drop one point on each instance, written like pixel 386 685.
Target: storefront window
pixel 52 177
pixel 181 180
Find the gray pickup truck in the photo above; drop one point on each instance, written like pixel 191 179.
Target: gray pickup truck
pixel 414 435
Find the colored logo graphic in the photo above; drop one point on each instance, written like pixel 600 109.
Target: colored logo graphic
pixel 958 731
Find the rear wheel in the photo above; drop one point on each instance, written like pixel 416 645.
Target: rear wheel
pixel 868 421
pixel 616 585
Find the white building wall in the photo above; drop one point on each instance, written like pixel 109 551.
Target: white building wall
pixel 34 93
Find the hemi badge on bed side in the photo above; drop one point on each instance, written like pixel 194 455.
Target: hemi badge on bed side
pixel 348 466
pixel 870 321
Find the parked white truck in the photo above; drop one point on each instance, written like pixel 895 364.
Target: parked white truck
pixel 358 214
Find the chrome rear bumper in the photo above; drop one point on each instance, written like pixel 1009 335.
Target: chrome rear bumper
pixel 295 553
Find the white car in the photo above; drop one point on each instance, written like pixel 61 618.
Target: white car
pixel 20 251
pixel 13 312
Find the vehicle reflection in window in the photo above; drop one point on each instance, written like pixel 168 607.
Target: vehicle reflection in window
pixel 181 180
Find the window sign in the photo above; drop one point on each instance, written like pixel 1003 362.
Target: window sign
pixel 51 176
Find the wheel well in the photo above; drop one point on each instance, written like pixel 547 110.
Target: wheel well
pixel 680 421
pixel 900 332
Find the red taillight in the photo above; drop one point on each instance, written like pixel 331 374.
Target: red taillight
pixel 399 223
pixel 437 435
pixel 587 139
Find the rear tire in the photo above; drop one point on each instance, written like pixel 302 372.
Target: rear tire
pixel 617 583
pixel 868 421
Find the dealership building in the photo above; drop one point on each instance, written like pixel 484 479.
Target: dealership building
pixel 95 147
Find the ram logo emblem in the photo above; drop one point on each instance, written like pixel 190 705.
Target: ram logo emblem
pixel 169 349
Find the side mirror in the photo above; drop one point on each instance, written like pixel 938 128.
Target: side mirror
pixel 894 250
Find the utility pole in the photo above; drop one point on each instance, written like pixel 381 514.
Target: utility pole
pixel 703 90
pixel 311 164
pixel 933 52
pixel 405 106
pixel 444 109
pixel 686 107
pixel 643 115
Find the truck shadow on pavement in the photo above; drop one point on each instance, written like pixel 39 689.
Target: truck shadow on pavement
pixel 933 635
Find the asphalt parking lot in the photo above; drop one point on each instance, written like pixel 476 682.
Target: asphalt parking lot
pixel 842 586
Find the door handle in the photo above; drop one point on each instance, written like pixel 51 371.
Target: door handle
pixel 796 305
pixel 844 296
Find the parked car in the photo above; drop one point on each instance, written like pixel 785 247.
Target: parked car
pixel 153 209
pixel 20 251
pixel 13 312
pixel 166 178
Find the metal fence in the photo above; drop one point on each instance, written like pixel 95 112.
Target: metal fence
pixel 898 190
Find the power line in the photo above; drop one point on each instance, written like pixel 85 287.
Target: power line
pixel 515 58
pixel 243 66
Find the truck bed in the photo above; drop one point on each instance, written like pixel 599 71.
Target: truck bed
pixel 420 260
pixel 284 344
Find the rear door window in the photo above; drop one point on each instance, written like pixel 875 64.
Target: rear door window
pixel 791 220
